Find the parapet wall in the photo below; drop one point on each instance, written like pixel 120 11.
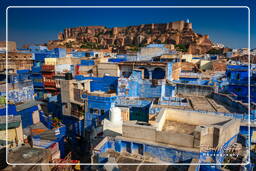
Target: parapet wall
pixel 193 90
pixel 183 140
pixel 229 102
pixel 228 130
pixel 193 117
pixel 211 131
pixel 131 130
pixel 150 134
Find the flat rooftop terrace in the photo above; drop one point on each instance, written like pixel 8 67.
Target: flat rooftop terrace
pixel 178 127
pixel 26 154
pixel 137 159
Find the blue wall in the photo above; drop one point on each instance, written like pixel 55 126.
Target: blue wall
pixel 237 77
pixel 117 60
pixel 11 110
pixel 74 126
pixel 105 84
pixel 26 116
pixel 101 104
pixel 139 109
pixel 135 86
pixel 78 54
pixel 169 71
pixel 87 62
pixel 143 89
pixel 166 154
pixel 59 52
pixel 24 92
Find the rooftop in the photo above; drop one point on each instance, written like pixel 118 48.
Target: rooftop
pixel 13 122
pixel 27 105
pixel 26 154
pixel 178 127
pixel 183 129
pixel 132 102
pixel 139 63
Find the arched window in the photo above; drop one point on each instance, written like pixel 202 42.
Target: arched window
pixel 158 73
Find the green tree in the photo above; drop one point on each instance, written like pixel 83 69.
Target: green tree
pixel 215 51
pixel 181 47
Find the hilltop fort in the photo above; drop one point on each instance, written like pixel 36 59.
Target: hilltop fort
pixel 179 33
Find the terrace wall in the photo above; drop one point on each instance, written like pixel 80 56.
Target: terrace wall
pixel 193 90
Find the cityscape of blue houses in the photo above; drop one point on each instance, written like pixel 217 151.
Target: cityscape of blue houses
pixel 67 100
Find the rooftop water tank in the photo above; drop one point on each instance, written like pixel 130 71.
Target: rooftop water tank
pixel 115 115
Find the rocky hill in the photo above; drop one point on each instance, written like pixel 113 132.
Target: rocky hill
pixel 177 33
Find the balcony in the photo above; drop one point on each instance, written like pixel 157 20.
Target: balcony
pixel 77 95
pixel 48 75
pixel 48 68
pixel 77 113
pixel 50 83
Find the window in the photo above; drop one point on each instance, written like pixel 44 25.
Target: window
pixel 123 73
pixel 87 54
pixel 91 110
pixel 96 111
pixel 75 85
pixel 228 74
pixel 238 89
pixel 102 112
pixel 238 76
pixel 158 73
pixel 98 123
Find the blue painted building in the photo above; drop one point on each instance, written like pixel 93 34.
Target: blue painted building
pixel 116 60
pixel 52 135
pixel 87 62
pixel 39 53
pixel 138 109
pixel 104 84
pixel 26 111
pixel 77 54
pixel 99 100
pixel 98 109
pixel 238 80
pixel 11 110
pixel 19 92
pixel 159 151
pixel 135 86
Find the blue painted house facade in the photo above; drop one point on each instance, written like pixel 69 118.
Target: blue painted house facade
pixel 238 80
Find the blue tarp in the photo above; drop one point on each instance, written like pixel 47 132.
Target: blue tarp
pixel 116 60
pixel 87 62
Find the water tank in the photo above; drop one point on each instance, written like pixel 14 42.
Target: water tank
pixel 68 76
pixel 115 115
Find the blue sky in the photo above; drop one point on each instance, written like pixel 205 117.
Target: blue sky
pixel 227 26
